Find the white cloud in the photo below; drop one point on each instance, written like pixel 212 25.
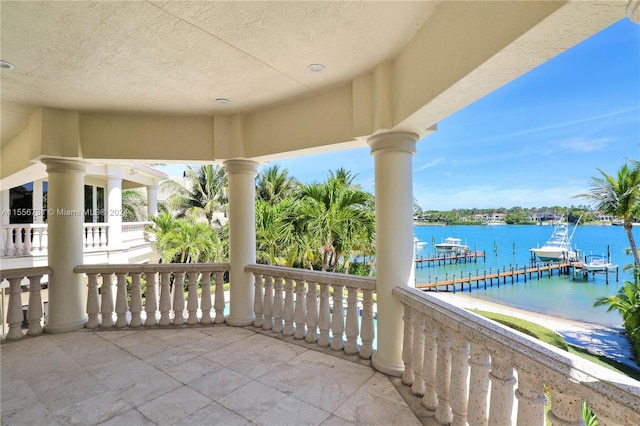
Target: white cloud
pixel 429 164
pixel 586 145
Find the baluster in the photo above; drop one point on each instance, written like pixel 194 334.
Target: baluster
pixel 3 241
pixel 502 384
pixel 278 305
pixel 352 328
pixel 178 298
pixel 151 299
pixel 219 303
pixel 26 248
pixel 93 301
pixel 19 244
pixel 88 237
pixel 443 377
pixel 312 313
pixel 121 300
pixel 11 245
pixel 34 312
pixel 106 307
pixel 324 316
pixel 192 301
pixel 478 385
pixel 407 346
pixel 205 300
pixel 14 309
pixel 258 299
pixel 531 399
pixel 431 343
pixel 136 300
pixel 36 245
pixel 417 354
pixel 337 319
pixel 44 239
pixel 268 303
pixel 566 410
pixel 102 236
pixel 288 307
pixel 301 310
pixel 459 380
pixel 368 331
pixel 165 299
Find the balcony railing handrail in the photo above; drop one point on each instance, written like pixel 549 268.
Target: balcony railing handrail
pixel 7 274
pixel 134 224
pixel 572 377
pixel 151 268
pixel 364 283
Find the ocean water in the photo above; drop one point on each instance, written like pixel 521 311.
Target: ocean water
pixel 507 245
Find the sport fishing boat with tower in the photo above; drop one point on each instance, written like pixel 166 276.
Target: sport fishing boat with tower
pixel 558 246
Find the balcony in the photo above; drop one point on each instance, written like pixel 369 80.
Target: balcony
pixel 168 357
pixel 25 245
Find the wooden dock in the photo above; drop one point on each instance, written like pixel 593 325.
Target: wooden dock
pixel 513 273
pixel 443 259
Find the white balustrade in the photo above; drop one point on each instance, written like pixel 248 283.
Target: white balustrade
pixel 95 236
pixel 139 307
pixel 32 239
pixel 471 370
pixel 20 280
pixel 135 232
pixel 303 307
pixel 23 239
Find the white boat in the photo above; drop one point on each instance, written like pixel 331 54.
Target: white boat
pixel 597 263
pixel 418 244
pixel 452 245
pixel 558 246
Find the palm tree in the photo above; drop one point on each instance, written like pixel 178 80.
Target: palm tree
pixel 205 192
pixel 619 196
pixel 332 211
pixel 274 230
pixel 190 241
pixel 134 206
pixel 627 303
pixel 274 185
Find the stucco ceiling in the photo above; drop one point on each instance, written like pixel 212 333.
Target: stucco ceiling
pixel 179 57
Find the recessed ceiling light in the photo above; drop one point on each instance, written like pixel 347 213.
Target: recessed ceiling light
pixel 223 101
pixel 6 65
pixel 316 68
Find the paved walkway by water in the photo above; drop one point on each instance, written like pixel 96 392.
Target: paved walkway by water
pixel 607 341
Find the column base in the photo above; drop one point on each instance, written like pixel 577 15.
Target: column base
pixel 386 367
pixel 240 322
pixel 64 328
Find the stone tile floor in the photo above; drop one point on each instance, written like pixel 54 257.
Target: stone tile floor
pixel 192 376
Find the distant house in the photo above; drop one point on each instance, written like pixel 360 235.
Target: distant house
pixel 544 217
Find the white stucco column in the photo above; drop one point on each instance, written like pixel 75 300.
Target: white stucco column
pixel 392 153
pixel 5 204
pixel 65 222
pixel 152 200
pixel 37 204
pixel 242 238
pixel 113 211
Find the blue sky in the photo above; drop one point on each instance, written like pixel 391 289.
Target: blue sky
pixel 535 142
